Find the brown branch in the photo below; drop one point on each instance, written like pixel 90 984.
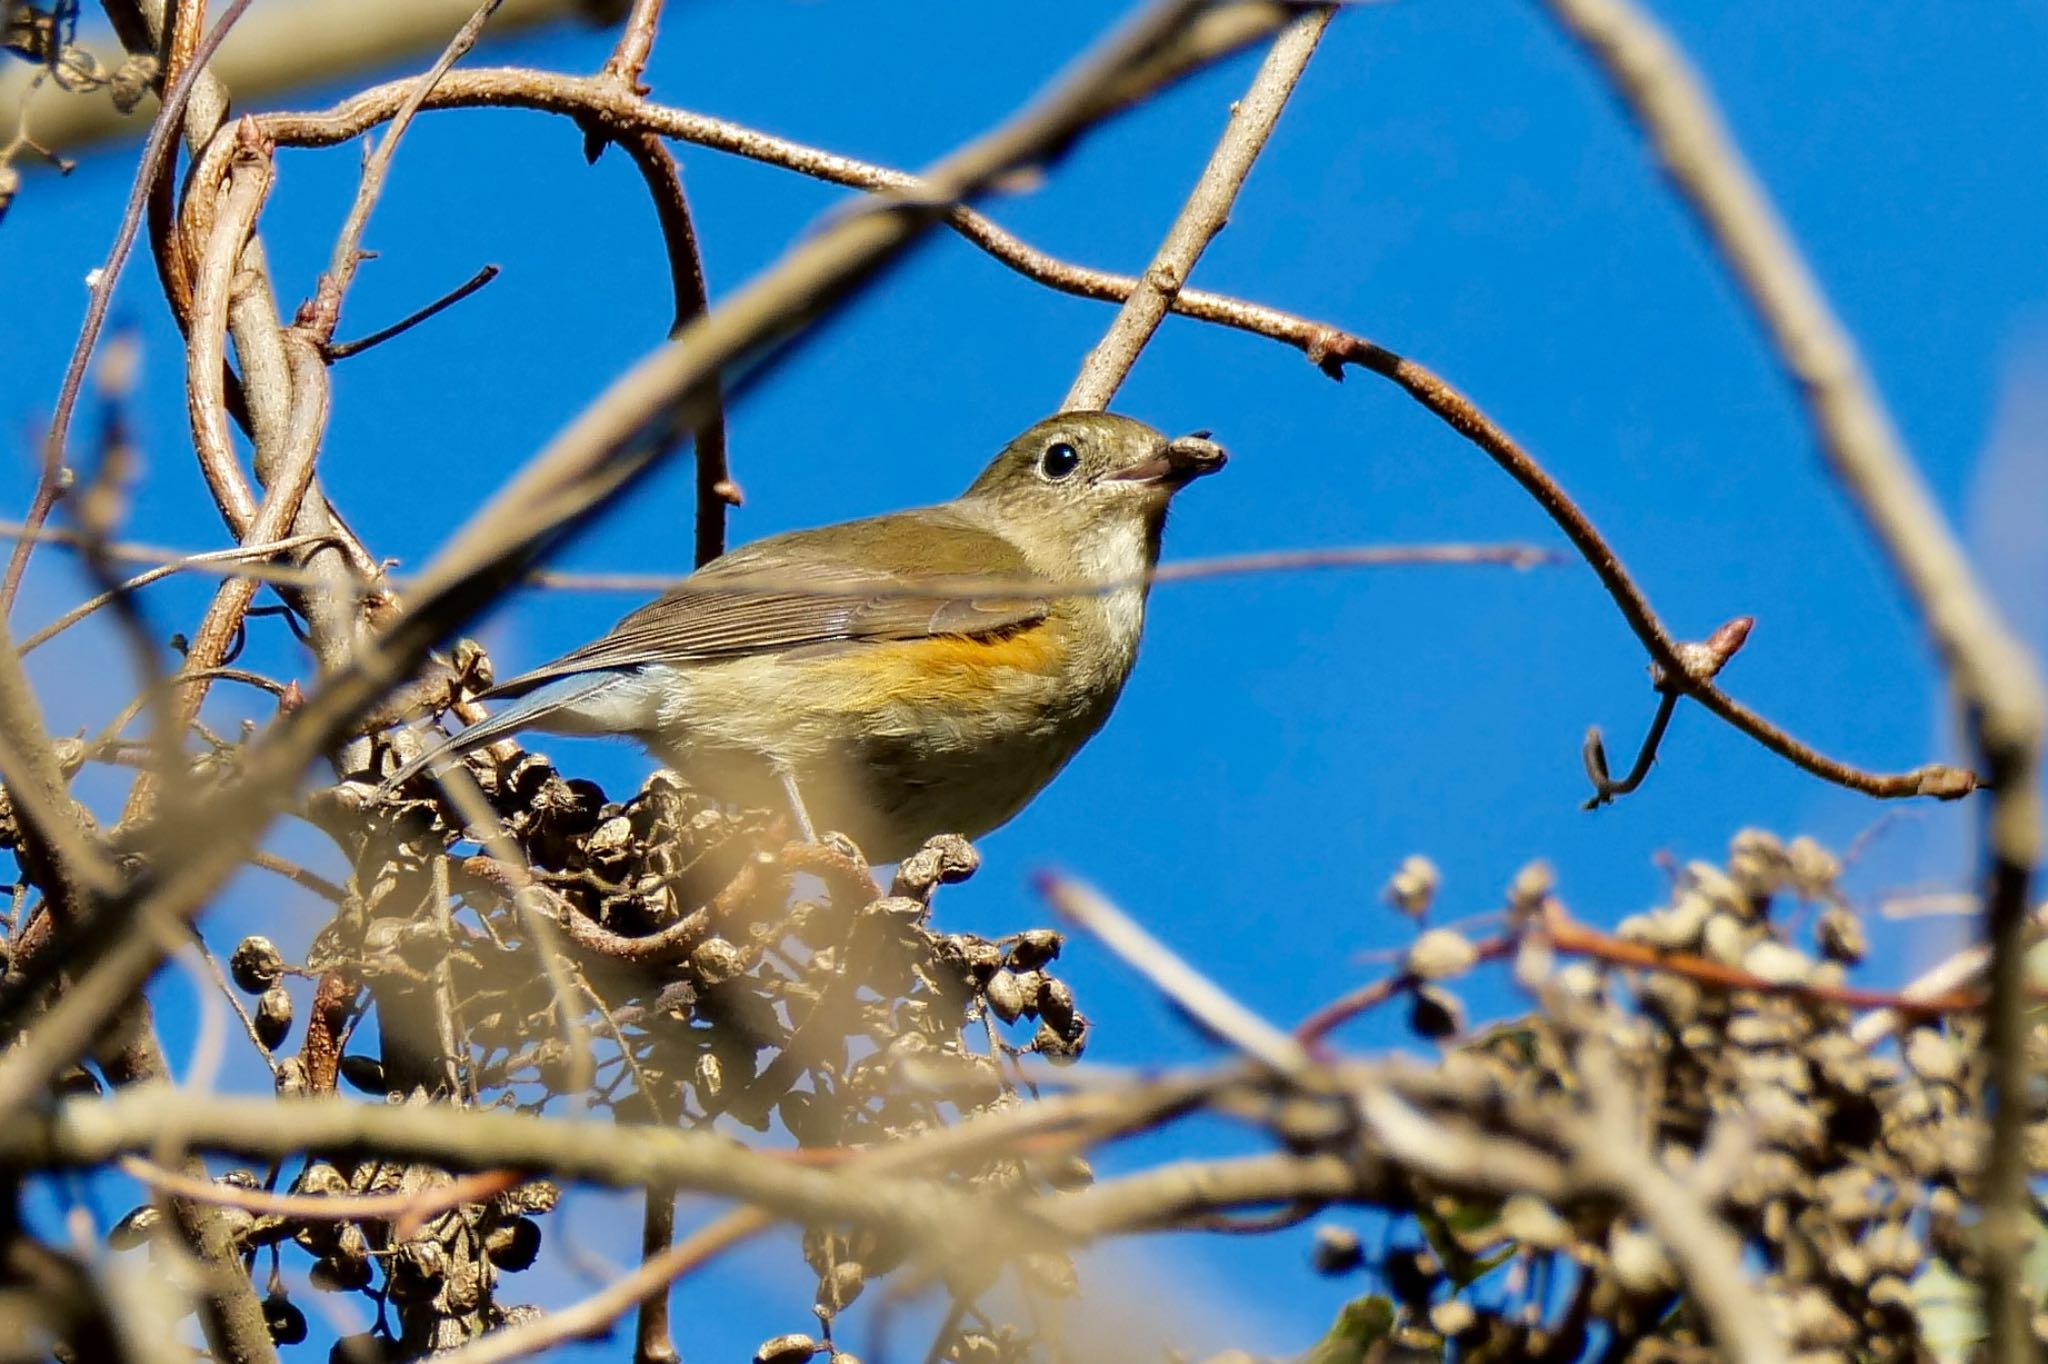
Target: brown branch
pixel 716 490
pixel 280 48
pixel 1936 995
pixel 213 282
pixel 1329 348
pixel 1252 119
pixel 635 45
pixel 1992 675
pixel 156 154
pixel 1329 1017
pixel 288 487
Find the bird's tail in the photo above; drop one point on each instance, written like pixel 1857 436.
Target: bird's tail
pixel 528 712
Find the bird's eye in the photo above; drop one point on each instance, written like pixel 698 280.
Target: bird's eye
pixel 1059 460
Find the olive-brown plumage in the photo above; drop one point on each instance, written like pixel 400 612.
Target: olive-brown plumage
pixel 927 671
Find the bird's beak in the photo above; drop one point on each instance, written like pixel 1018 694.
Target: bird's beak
pixel 1185 459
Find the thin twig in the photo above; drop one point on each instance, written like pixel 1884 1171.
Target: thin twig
pixel 1202 216
pixel 636 43
pixel 1195 994
pixel 716 490
pixel 653 1337
pixel 299 876
pixel 155 153
pixel 180 564
pixel 341 350
pixel 1186 570
pixel 1605 788
pixel 348 254
pixel 197 561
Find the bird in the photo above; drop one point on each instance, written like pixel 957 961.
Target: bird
pixel 896 677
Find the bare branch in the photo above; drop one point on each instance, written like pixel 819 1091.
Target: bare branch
pixel 348 254
pixel 156 154
pixel 1186 987
pixel 1252 119
pixel 280 48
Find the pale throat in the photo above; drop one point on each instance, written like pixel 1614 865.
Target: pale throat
pixel 1120 553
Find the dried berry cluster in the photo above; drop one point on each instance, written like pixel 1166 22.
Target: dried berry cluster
pixel 708 972
pixel 1845 1155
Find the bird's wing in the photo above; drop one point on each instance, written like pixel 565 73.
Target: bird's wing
pixel 854 582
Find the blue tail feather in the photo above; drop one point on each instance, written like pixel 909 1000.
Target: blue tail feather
pixel 527 712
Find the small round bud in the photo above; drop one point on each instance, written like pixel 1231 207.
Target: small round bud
pixel 1337 1250
pixel 1534 1223
pixel 1641 1265
pixel 135 1229
pixel 513 1245
pixel 1035 947
pixel 1412 888
pixel 273 1017
pixel 1776 963
pixel 1005 996
pixel 710 1077
pixel 1814 869
pixel 1440 953
pixel 1056 1004
pixel 286 1322
pixel 840 1285
pixel 1452 1316
pixel 1532 885
pixel 365 1073
pixel 256 964
pixel 794 1348
pixel 716 961
pixel 1841 935
pixel 340 1273
pixel 1435 1013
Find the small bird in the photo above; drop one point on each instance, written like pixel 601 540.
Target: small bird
pixel 923 672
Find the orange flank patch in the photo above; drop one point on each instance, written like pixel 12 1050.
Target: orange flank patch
pixel 957 670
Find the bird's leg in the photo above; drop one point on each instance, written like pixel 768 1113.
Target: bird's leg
pixel 787 777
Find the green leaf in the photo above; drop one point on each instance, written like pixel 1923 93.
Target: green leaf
pixel 1360 1324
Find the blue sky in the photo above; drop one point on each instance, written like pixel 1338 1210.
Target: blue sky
pixel 1449 181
